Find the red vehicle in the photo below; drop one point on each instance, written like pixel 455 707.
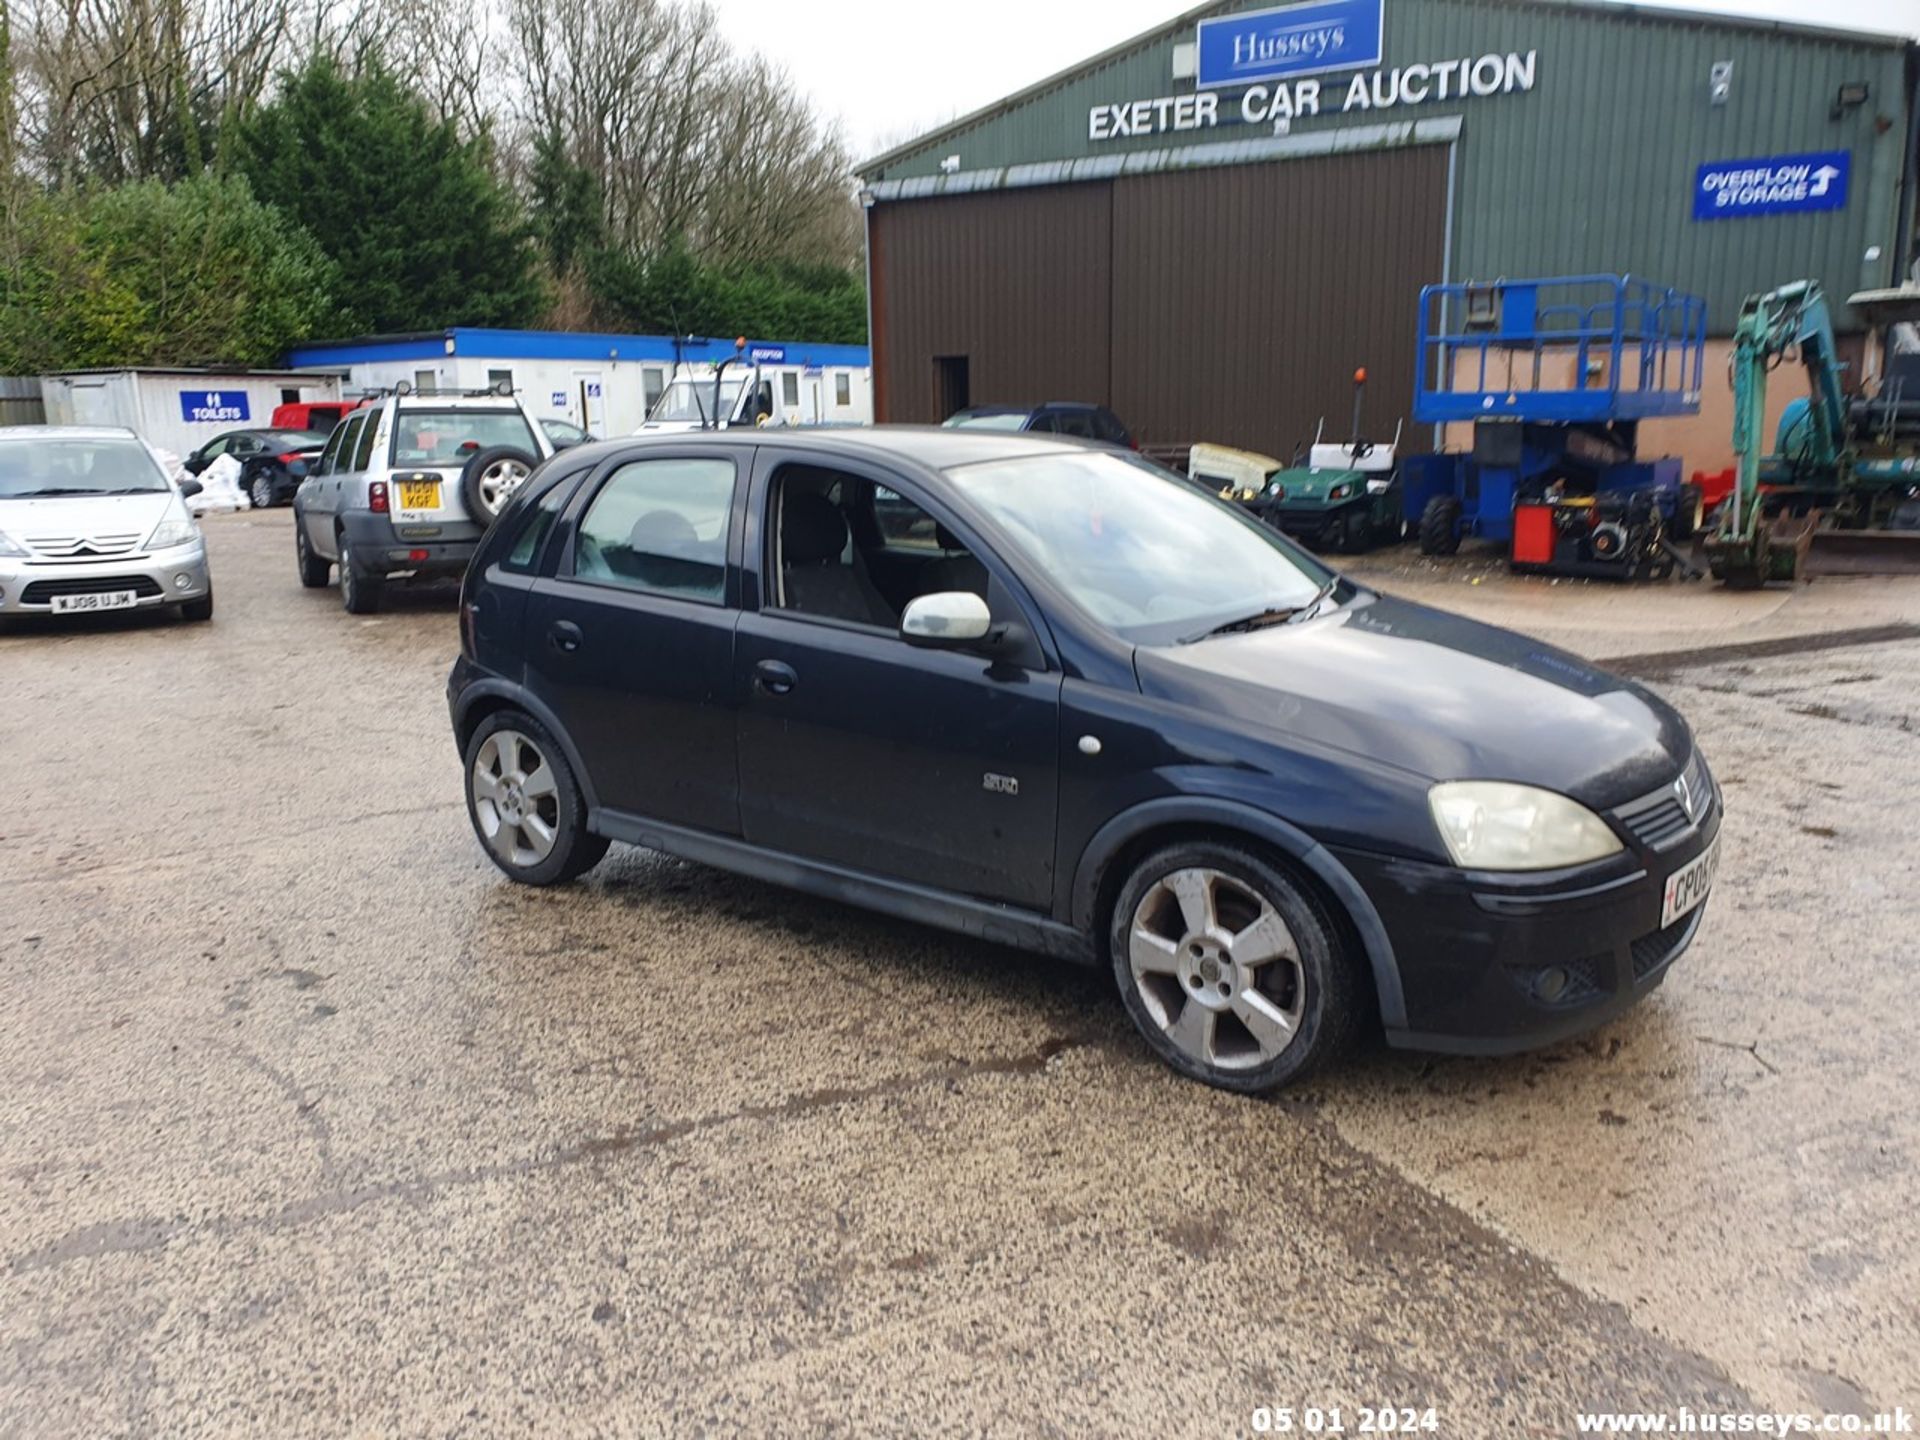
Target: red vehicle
pixel 319 416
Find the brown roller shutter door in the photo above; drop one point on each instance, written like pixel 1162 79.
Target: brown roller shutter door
pixel 1229 304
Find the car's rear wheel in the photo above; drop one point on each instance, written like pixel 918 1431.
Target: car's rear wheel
pixel 525 803
pixel 1230 968
pixel 260 490
pixel 360 592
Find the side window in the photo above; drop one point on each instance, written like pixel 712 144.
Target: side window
pixel 363 450
pixel 216 448
pixel 324 465
pixel 525 554
pixel 1043 423
pixel 1074 422
pixel 661 526
pixel 349 443
pixel 901 522
pixel 790 388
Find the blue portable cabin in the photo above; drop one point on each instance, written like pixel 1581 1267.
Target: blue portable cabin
pixel 1555 375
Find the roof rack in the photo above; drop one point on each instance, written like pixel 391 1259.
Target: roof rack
pixel 403 388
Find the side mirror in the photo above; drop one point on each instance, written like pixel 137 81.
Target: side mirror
pixel 190 488
pixel 194 464
pixel 952 617
pixel 297 469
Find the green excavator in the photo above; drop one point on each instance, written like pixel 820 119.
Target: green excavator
pixel 1840 493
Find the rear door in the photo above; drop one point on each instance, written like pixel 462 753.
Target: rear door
pixel 320 494
pixel 630 641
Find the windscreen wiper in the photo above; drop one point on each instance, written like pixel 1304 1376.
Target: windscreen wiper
pixel 1278 615
pixel 1312 607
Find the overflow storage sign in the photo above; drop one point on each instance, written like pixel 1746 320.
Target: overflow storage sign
pixel 1770 185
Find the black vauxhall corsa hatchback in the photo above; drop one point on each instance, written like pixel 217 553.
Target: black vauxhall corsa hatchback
pixel 1054 696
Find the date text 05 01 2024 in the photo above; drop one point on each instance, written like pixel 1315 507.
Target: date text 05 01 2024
pixel 1333 1420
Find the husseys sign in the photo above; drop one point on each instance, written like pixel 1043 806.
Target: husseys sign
pixel 1278 56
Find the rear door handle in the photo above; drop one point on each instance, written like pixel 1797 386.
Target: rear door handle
pixel 775 677
pixel 564 636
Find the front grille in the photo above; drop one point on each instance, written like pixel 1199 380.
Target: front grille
pixel 41 592
pixel 82 547
pixel 1650 952
pixel 1661 819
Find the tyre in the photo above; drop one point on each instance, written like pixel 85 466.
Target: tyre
pixel 359 592
pixel 490 479
pixel 260 491
pixel 314 569
pixel 198 610
pixel 525 803
pixel 1356 530
pixel 1440 526
pixel 1230 968
pixel 1689 508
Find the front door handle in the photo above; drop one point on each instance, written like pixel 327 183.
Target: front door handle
pixel 564 636
pixel 775 677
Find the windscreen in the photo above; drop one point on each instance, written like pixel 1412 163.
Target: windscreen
pixel 991 420
pixel 692 401
pixel 1141 550
pixel 452 437
pixel 37 469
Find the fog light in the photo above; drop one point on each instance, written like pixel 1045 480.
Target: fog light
pixel 1550 984
pixel 183 582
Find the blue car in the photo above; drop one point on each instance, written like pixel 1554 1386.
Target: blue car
pixel 1054 696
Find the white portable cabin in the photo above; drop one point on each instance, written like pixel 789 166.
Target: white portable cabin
pixel 607 384
pixel 179 409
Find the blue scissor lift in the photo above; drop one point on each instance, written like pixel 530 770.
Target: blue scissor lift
pixel 1555 376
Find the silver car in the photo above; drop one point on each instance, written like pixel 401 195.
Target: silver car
pixel 89 522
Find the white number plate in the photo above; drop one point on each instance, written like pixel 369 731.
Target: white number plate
pixel 111 600
pixel 1689 885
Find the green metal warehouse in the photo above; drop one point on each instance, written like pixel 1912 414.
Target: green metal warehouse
pixel 1209 227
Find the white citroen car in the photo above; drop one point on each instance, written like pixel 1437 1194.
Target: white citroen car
pixel 90 522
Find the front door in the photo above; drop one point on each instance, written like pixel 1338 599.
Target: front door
pixel 590 393
pixel 631 640
pixel 937 767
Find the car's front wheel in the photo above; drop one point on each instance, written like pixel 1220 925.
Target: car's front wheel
pixel 314 569
pixel 1230 968
pixel 525 803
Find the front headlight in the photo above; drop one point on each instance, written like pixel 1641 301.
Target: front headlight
pixel 12 549
pixel 1494 825
pixel 1341 492
pixel 174 530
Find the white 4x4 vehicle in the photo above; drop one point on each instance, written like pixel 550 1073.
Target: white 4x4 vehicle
pixel 407 485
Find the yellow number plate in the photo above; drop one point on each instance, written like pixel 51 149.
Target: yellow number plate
pixel 419 494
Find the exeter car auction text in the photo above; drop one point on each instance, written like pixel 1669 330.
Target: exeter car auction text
pixel 1371 90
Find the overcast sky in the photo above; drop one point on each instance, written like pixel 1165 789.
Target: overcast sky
pixel 890 69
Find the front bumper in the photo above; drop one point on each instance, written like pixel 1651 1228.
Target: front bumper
pixel 1491 964
pixel 163 577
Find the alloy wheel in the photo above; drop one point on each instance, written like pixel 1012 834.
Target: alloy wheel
pixel 516 798
pixel 1217 969
pixel 498 482
pixel 261 492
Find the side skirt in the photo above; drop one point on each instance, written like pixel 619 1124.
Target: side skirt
pixel 982 919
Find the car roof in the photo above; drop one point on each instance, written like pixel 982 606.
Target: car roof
pixel 65 432
pixel 936 447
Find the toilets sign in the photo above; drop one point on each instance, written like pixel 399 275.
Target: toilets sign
pixel 214 407
pixel 1770 185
